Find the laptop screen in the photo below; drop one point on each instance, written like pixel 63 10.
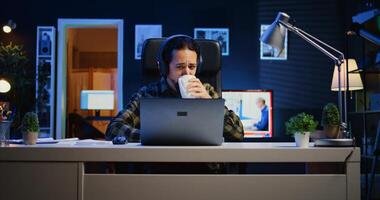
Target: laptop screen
pixel 254 107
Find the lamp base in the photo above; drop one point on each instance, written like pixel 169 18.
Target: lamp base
pixel 334 143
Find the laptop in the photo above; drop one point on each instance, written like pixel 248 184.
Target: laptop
pixel 171 121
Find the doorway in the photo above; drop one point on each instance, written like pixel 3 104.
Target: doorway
pixel 90 58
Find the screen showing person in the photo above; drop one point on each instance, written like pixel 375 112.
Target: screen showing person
pixel 254 107
pixel 262 123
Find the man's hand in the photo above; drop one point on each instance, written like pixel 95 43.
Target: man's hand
pixel 196 89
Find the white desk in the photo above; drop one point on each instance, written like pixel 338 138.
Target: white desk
pixel 56 171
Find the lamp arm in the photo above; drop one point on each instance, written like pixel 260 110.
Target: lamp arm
pixel 337 60
pixel 316 39
pixel 309 38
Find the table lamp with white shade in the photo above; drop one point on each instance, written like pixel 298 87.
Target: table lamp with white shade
pixel 354 80
pixel 97 100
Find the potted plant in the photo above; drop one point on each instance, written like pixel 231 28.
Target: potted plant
pixel 30 128
pixel 300 126
pixel 20 73
pixel 330 120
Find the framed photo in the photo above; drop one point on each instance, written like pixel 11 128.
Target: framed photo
pixel 269 53
pixel 143 32
pixel 45 36
pixel 219 34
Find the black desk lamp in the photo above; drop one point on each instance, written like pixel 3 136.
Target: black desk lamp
pixel 275 37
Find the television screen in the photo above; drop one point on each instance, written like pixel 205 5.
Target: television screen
pixel 254 107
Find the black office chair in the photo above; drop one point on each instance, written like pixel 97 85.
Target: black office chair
pixel 81 128
pixel 210 69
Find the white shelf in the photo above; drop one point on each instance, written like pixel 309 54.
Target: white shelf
pixel 46 36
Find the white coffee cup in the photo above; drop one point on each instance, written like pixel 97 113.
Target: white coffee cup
pixel 183 82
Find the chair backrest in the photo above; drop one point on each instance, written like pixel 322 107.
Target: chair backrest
pixel 81 128
pixel 211 62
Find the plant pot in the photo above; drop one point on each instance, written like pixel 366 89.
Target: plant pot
pixel 30 138
pixel 331 131
pixel 302 140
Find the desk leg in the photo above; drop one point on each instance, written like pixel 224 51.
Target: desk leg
pixel 80 180
pixel 353 180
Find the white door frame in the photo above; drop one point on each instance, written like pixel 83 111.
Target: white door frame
pixel 63 24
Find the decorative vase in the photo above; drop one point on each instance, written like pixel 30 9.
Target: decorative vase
pixel 5 126
pixel 30 138
pixel 331 131
pixel 302 140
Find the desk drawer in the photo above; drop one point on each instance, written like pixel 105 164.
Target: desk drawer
pixel 38 180
pixel 190 187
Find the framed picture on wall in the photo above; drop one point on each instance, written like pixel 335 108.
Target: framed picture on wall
pixel 143 32
pixel 269 53
pixel 219 34
pixel 45 36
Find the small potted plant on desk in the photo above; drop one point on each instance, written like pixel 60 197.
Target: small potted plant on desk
pixel 301 126
pixel 330 120
pixel 30 128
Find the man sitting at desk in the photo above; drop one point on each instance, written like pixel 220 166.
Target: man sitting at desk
pixel 180 55
pixel 262 125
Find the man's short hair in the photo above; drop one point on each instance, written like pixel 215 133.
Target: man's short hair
pixel 261 99
pixel 179 42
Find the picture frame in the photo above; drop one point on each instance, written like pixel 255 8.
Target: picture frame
pixel 45 36
pixel 269 53
pixel 143 32
pixel 219 34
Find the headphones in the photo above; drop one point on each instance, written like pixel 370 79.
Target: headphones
pixel 163 67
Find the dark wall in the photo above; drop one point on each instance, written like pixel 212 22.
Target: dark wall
pixel 301 83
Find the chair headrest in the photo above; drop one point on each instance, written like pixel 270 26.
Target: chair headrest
pixel 149 53
pixel 211 55
pixel 210 50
